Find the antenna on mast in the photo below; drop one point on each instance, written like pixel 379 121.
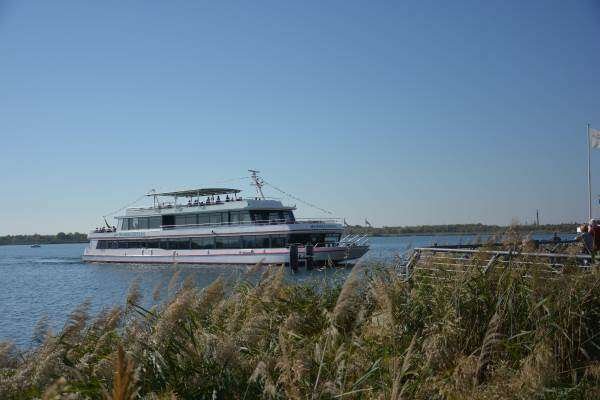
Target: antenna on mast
pixel 258 182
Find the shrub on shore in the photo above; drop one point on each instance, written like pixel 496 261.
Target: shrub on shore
pixel 503 333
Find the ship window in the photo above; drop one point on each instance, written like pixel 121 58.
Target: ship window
pixel 102 244
pixel 260 216
pixel 203 219
pixel 289 216
pixel 183 244
pixel 332 238
pixel 255 242
pixel 168 220
pixel 152 244
pixel 278 241
pixel 215 218
pixel 114 244
pixel 300 238
pixel 122 244
pixel 164 244
pixel 126 224
pixel 234 217
pixel 154 222
pixel 180 220
pixel 143 222
pixel 248 242
pixel 254 216
pixel 135 223
pixel 191 219
pixel 318 238
pixel 227 242
pixel 203 243
pixel 262 242
pixel 179 244
pixel 274 216
pixel 245 216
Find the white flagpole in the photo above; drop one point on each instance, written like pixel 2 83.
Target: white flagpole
pixel 589 173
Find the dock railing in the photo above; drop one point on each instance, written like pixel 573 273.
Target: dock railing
pixel 431 261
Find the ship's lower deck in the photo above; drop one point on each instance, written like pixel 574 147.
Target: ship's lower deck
pixel 321 255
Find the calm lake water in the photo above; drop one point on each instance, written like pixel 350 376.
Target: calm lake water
pixel 51 281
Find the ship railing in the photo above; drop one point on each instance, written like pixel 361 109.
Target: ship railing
pixel 243 223
pixel 354 240
pixel 170 205
pixel 257 222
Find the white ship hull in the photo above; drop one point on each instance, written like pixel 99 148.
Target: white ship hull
pixel 321 256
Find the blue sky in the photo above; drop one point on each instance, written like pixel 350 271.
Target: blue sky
pixel 403 112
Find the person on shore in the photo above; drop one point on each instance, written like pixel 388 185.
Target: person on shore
pixel 586 237
pixel 595 232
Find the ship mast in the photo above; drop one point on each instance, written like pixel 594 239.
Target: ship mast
pixel 258 182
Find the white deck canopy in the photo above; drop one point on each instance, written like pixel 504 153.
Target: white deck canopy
pixel 196 192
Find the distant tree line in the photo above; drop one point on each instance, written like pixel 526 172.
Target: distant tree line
pixel 60 237
pixel 455 229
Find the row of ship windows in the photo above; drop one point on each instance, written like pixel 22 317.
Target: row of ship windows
pixel 214 218
pixel 223 242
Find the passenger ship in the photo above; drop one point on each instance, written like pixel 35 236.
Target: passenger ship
pixel 218 226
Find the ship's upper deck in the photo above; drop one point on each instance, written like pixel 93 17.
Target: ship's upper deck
pixel 167 208
pixel 203 200
pixel 209 207
pixel 212 207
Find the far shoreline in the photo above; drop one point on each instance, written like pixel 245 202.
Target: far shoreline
pixel 42 244
pixel 466 233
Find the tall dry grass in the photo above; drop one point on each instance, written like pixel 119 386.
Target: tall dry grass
pixel 501 333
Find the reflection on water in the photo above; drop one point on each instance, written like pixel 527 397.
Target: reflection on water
pixel 51 280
